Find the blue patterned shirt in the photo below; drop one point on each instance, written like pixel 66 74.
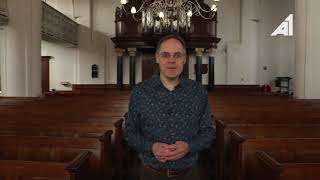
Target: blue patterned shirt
pixel 159 115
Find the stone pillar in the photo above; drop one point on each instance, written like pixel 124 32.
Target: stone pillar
pixel 22 47
pixel 211 68
pixel 307 43
pixel 120 67
pixel 132 54
pixel 199 52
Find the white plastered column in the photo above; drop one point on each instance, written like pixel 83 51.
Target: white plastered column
pixel 307 54
pixel 22 49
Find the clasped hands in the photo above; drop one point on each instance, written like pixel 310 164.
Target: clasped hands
pixel 170 152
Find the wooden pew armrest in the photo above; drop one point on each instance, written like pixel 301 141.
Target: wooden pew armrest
pixel 269 162
pixel 76 165
pixel 220 148
pixel 119 123
pixel 236 155
pixel 236 137
pixel 106 155
pixel 220 123
pixel 106 137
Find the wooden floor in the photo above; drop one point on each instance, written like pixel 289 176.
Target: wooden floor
pixel 246 114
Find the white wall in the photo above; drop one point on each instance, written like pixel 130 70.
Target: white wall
pixel 237 57
pixel 74 64
pixel 104 16
pixel 91 51
pixel 104 22
pixel 313 53
pixel 246 55
pixel 276 53
pixel 307 50
pixel 21 72
pixel 62 65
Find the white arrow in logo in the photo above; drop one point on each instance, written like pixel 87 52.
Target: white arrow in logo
pixel 285 28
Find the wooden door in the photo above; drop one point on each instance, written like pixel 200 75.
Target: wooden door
pixel 45 73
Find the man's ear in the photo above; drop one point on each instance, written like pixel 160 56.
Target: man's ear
pixel 184 60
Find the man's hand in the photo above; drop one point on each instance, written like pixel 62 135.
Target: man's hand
pixel 181 149
pixel 165 152
pixel 159 151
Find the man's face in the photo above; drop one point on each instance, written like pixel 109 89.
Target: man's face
pixel 171 57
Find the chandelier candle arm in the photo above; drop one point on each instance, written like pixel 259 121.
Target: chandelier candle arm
pixel 160 16
pixel 136 11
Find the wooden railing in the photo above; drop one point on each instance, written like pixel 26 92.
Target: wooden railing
pixel 57 27
pixel 3 12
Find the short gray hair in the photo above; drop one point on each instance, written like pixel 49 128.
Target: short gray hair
pixel 171 36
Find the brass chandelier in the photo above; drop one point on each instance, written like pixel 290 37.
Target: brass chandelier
pixel 161 16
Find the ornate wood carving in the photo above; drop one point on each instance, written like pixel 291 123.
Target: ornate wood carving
pixel 57 27
pixel 129 33
pixel 3 12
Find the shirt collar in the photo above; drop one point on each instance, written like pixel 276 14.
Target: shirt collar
pixel 157 82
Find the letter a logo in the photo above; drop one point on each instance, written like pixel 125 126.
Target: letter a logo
pixel 285 28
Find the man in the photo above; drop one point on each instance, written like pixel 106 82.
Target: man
pixel 169 118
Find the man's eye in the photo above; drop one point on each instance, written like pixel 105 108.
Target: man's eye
pixel 166 55
pixel 177 56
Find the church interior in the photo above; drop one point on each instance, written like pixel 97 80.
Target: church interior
pixel 68 67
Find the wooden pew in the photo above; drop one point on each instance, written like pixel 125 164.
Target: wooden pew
pixel 242 150
pixel 31 118
pixel 120 150
pixel 77 169
pixel 256 131
pixel 106 160
pixel 60 149
pixel 235 108
pixel 220 150
pixel 127 162
pixel 75 130
pixel 269 168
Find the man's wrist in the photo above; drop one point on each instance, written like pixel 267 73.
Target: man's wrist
pixel 188 147
pixel 152 147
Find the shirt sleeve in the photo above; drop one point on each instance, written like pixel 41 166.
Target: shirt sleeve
pixel 207 131
pixel 132 133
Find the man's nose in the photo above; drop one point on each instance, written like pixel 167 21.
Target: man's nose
pixel 171 59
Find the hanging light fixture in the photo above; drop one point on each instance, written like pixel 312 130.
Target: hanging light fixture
pixel 158 16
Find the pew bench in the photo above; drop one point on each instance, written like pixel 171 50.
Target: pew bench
pixel 76 169
pixel 60 149
pixel 242 150
pixel 269 167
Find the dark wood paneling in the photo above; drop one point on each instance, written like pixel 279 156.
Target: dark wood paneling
pixel 45 73
pixel 129 34
pixel 149 67
pixel 94 87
